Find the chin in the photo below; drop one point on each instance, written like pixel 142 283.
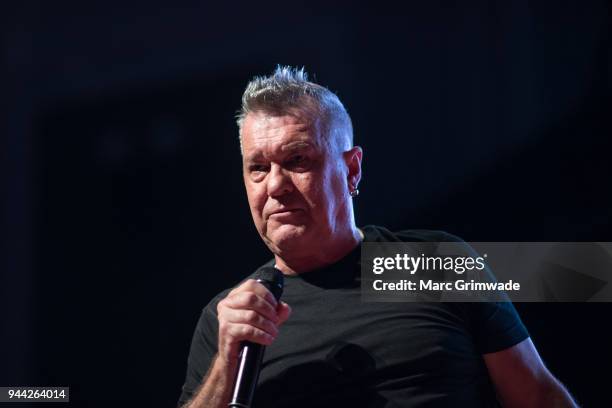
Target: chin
pixel 287 236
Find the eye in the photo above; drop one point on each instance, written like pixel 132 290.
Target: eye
pixel 258 168
pixel 298 161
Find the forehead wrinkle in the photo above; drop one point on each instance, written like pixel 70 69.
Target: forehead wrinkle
pixel 266 130
pixel 296 146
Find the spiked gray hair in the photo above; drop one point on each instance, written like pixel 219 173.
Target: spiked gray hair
pixel 288 91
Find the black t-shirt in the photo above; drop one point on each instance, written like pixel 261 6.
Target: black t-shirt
pixel 336 350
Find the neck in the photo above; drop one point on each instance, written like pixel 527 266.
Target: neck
pixel 333 251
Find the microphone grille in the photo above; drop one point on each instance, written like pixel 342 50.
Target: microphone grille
pixel 272 279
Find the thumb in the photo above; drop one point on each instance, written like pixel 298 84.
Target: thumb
pixel 284 311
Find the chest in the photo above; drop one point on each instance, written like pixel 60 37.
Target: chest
pixel 338 340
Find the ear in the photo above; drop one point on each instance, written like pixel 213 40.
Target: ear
pixel 353 158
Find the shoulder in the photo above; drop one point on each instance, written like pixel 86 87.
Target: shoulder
pixel 374 233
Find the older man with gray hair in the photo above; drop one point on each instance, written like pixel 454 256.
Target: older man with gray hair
pixel 325 347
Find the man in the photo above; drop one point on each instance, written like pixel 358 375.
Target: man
pixel 325 346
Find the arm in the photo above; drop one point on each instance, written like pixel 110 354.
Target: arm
pixel 216 386
pixel 248 313
pixel 522 380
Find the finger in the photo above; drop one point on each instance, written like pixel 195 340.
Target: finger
pixel 250 317
pixel 250 301
pixel 251 285
pixel 245 332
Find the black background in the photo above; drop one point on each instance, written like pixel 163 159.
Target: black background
pixel 123 209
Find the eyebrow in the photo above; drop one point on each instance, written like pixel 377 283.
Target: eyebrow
pixel 287 148
pixel 253 158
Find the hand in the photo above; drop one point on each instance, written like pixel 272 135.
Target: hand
pixel 248 313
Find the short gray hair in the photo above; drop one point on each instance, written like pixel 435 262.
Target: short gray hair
pixel 288 91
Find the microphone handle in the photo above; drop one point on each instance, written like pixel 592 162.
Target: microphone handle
pixel 249 359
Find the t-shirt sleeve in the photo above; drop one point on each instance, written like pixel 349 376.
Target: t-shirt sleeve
pixel 202 351
pixel 495 326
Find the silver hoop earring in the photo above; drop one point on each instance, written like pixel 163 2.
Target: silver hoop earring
pixel 354 193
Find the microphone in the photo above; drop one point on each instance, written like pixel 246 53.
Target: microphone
pixel 251 354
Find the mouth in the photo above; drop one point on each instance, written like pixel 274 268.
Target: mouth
pixel 287 212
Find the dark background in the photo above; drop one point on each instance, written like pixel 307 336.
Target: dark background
pixel 123 210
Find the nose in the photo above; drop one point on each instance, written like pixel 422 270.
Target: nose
pixel 279 182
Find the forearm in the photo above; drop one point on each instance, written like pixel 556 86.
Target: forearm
pixel 216 388
pixel 547 392
pixel 554 395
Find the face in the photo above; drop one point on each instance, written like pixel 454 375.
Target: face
pixel 296 185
